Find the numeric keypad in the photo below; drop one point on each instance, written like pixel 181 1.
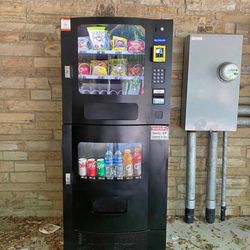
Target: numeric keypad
pixel 158 76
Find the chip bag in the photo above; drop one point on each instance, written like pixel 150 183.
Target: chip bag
pixel 119 67
pixel 119 43
pixel 83 69
pixel 135 69
pixel 99 68
pixel 98 37
pixel 136 46
pixel 83 43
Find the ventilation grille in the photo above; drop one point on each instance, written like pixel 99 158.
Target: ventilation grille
pixel 125 241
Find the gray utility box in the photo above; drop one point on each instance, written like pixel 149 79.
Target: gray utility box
pixel 211 82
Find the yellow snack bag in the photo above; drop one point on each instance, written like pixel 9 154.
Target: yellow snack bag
pixel 119 67
pixel 119 43
pixel 99 68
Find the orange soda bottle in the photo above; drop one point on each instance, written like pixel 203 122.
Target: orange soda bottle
pixel 128 162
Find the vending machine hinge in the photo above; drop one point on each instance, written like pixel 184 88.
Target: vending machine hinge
pixel 68 71
pixel 67 179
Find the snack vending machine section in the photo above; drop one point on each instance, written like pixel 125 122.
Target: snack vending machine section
pixel 116 75
pixel 111 66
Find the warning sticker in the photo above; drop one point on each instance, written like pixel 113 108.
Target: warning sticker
pixel 160 133
pixel 65 24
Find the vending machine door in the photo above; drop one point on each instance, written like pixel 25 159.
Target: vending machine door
pixel 114 186
pixel 108 70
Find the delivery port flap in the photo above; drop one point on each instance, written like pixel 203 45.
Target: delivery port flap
pixel 109 205
pixel 111 111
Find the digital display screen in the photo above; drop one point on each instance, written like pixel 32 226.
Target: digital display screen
pixel 159 52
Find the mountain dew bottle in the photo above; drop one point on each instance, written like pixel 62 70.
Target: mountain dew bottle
pixel 100 168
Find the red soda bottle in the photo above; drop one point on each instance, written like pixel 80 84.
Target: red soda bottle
pixel 137 158
pixel 91 167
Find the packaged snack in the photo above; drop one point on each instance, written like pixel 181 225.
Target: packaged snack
pixel 135 69
pixel 134 87
pixel 119 43
pixel 98 37
pixel 83 69
pixel 99 68
pixel 83 43
pixel 119 67
pixel 136 46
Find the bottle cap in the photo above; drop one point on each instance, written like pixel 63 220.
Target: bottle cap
pixel 100 161
pixel 137 149
pixel 127 151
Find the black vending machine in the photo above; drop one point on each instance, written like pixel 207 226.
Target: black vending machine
pixel 116 75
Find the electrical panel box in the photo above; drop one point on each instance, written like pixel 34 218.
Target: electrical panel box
pixel 211 82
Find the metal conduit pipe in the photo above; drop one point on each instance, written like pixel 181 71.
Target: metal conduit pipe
pixel 190 177
pixel 211 180
pixel 244 110
pixel 224 178
pixel 243 121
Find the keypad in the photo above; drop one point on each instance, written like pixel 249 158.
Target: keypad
pixel 158 76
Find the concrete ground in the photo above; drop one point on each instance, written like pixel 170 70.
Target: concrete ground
pixel 233 234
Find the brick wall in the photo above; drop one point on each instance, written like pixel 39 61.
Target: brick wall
pixel 30 99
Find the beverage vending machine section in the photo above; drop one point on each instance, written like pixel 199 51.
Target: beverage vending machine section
pixel 116 96
pixel 100 161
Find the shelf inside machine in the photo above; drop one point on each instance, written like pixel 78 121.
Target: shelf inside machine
pixel 128 78
pixel 107 52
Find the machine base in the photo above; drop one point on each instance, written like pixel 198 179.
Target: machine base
pixel 144 240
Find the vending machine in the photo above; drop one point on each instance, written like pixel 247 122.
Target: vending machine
pixel 116 75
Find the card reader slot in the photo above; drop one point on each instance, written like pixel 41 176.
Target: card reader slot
pixel 158 95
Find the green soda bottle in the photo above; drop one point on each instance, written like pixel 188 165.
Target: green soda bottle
pixel 100 168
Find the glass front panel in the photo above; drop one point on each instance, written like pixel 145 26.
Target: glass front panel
pixel 111 59
pixel 109 161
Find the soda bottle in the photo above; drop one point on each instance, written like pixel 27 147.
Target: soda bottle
pixel 91 167
pixel 108 162
pixel 100 167
pixel 118 166
pixel 128 162
pixel 82 167
pixel 137 161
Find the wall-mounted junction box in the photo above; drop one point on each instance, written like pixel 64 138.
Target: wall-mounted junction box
pixel 211 82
